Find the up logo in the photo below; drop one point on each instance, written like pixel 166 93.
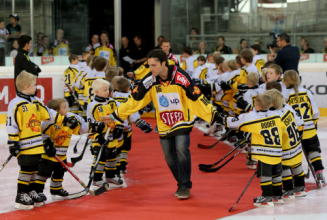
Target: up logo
pixel 174 101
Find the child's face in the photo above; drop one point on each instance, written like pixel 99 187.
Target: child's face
pixel 63 109
pixel 185 54
pixel 242 60
pixel 200 63
pixel 271 75
pixel 103 92
pixel 30 89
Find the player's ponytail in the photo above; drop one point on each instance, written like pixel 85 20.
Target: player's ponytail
pixel 291 79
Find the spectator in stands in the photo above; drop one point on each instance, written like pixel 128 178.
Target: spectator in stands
pixel 160 38
pixel 260 43
pixel 325 49
pixel 222 48
pixel 14 48
pixel 243 45
pixel 14 28
pixel 104 41
pixel 172 59
pixel 60 45
pixel 125 50
pixel 202 49
pixel 45 49
pixel 39 42
pixel 4 34
pixel 139 53
pixel 288 56
pixel 194 40
pixel 90 47
pixel 305 46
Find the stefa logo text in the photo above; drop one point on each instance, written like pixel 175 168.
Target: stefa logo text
pixel 180 79
pixel 304 57
pixel 46 60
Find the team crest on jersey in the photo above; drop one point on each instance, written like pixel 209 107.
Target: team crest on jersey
pixel 34 124
pixel 61 138
pixel 148 82
pixel 135 90
pixel 163 101
pixel 171 117
pixel 196 90
pixel 180 79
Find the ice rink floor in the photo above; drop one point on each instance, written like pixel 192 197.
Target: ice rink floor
pixel 310 207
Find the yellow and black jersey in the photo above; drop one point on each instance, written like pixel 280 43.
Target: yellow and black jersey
pixel 291 142
pixel 258 62
pixel 200 72
pixel 70 74
pixel 106 52
pixel 90 49
pixel 252 92
pixel 242 79
pixel 61 135
pixel 102 107
pixel 190 65
pixel 175 99
pixel 61 48
pixel 43 51
pixel 89 79
pixel 173 59
pixel 305 106
pixel 266 130
pixel 24 118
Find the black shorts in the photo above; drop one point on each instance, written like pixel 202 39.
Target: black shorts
pixel 311 144
pixel 264 169
pixel 29 160
pixel 46 167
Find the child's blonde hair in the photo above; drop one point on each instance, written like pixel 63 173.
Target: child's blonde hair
pixel 111 73
pixel 277 68
pixel 99 83
pixel 264 73
pixel 253 79
pixel 120 71
pixel 223 67
pixel 23 79
pixel 263 100
pixel 232 65
pixel 276 97
pixel 292 79
pixel 89 61
pixel 55 103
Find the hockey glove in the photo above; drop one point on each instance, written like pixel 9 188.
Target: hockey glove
pixel 118 131
pixel 238 96
pixel 111 153
pixel 242 88
pixel 70 100
pixel 14 147
pixel 197 82
pixel 145 127
pixel 96 127
pixel 224 86
pixel 242 104
pixel 100 139
pixel 247 137
pixel 49 148
pixel 220 118
pixel 230 82
pixel 70 122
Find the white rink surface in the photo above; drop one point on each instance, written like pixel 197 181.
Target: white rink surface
pixel 310 207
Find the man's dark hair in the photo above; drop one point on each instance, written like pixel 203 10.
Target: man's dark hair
pixel 165 41
pixel 39 34
pixel 44 36
pixel 1 20
pixel 284 36
pixel 306 40
pixel 196 30
pixel 158 54
pixel 241 41
pixel 23 40
pixel 221 38
pixel 160 37
pixel 137 36
pixel 188 50
pixel 256 47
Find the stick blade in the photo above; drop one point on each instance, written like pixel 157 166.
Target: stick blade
pixel 208 170
pixel 231 209
pixel 76 159
pixel 101 190
pixel 202 146
pixel 206 165
pixel 77 195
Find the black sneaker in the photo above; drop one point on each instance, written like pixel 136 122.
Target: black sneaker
pixel 24 202
pixel 184 193
pixel 38 201
pixel 41 194
pixel 177 191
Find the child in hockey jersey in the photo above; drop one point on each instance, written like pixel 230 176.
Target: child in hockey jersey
pixel 246 59
pixel 212 64
pixel 201 70
pixel 100 106
pixel 292 148
pixel 301 100
pixel 257 59
pixel 24 117
pixel 121 96
pixel 266 134
pixel 58 136
pixel 190 63
pixel 70 74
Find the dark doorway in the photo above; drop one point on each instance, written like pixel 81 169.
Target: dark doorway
pixel 138 18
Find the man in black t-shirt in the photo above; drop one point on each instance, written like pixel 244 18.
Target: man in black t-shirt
pixel 222 48
pixel 125 50
pixel 139 53
pixel 14 28
pixel 305 46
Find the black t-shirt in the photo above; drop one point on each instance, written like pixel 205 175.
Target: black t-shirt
pixel 137 54
pixel 13 30
pixel 122 53
pixel 224 50
pixel 309 50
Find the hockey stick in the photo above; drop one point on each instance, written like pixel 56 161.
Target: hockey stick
pixel 307 175
pixel 5 163
pixel 79 194
pixel 312 169
pixel 75 147
pixel 214 164
pixel 208 170
pixel 73 94
pixel 231 209
pixel 202 146
pixel 80 157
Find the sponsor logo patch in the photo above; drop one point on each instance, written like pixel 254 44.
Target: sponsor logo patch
pixel 163 101
pixel 61 138
pixel 171 117
pixel 46 60
pixel 34 124
pixel 180 79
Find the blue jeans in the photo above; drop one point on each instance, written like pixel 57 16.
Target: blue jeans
pixel 178 158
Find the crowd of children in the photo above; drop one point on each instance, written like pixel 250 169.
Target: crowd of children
pixel 254 98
